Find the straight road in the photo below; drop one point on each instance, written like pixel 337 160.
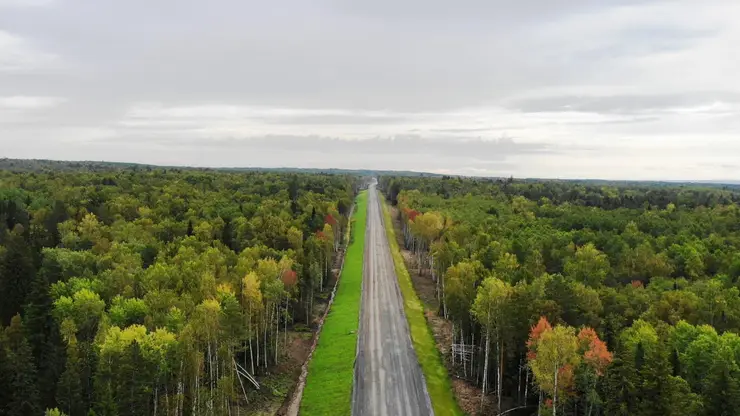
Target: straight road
pixel 388 378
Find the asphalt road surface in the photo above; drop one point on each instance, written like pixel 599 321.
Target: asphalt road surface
pixel 388 379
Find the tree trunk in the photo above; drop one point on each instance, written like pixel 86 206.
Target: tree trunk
pixel 555 395
pixel 473 369
pixel 156 392
pixel 519 382
pixel 452 351
pixel 277 330
pixel 462 339
pixel 539 405
pixel 197 392
pixel 444 302
pixel 285 345
pixel 257 333
pixel 210 378
pixel 591 403
pixel 485 371
pixel 264 352
pixel 251 355
pixel 500 373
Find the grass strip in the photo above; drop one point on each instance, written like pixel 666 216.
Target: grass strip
pixel 435 373
pixel 330 372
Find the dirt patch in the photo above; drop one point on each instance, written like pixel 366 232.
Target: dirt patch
pixel 468 396
pixel 299 346
pixel 442 329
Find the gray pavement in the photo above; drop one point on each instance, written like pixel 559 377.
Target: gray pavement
pixel 388 378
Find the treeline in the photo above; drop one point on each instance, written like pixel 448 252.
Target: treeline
pixel 582 300
pixel 155 291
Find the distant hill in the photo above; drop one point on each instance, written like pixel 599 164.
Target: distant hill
pixel 44 165
pixel 356 172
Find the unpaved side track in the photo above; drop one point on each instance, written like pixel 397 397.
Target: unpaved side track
pixel 388 379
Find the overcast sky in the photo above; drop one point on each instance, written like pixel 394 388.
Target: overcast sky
pixel 638 89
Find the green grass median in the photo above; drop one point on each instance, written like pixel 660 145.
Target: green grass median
pixel 435 373
pixel 330 373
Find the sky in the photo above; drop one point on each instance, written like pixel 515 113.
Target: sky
pixel 630 89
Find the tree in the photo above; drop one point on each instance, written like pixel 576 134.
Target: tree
pixel 69 388
pixel 596 358
pixel 43 336
pixel 252 301
pixel 589 266
pixel 462 280
pixel 16 274
pixel 24 397
pixel 489 309
pixel 556 357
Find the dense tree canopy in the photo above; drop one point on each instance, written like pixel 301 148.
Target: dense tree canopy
pixel 602 298
pixel 146 291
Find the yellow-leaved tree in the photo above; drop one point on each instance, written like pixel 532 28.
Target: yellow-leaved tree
pixel 553 359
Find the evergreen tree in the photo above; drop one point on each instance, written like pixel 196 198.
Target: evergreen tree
pixel 69 388
pixel 24 396
pixel 722 390
pixel 16 274
pixel 43 336
pixel 227 234
pixel 5 392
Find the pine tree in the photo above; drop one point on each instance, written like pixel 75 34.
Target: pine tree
pixel 69 388
pixel 4 369
pixel 43 336
pixel 24 396
pixel 227 234
pixel 722 390
pixel 16 274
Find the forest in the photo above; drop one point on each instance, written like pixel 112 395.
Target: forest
pixel 577 298
pixel 151 291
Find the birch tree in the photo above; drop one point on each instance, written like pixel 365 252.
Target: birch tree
pixel 554 362
pixel 489 309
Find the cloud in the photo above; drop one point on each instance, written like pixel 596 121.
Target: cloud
pixel 20 102
pixel 209 121
pixel 631 104
pixel 18 55
pixel 636 89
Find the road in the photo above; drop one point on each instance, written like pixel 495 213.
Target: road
pixel 388 378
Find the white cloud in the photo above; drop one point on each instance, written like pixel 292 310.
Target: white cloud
pixel 18 55
pixel 21 102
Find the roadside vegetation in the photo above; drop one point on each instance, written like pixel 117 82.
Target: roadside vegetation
pixel 435 373
pixel 330 373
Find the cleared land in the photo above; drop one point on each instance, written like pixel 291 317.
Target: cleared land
pixel 435 373
pixel 329 383
pixel 388 379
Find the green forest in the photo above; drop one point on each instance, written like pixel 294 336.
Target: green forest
pixel 165 291
pixel 150 291
pixel 583 298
